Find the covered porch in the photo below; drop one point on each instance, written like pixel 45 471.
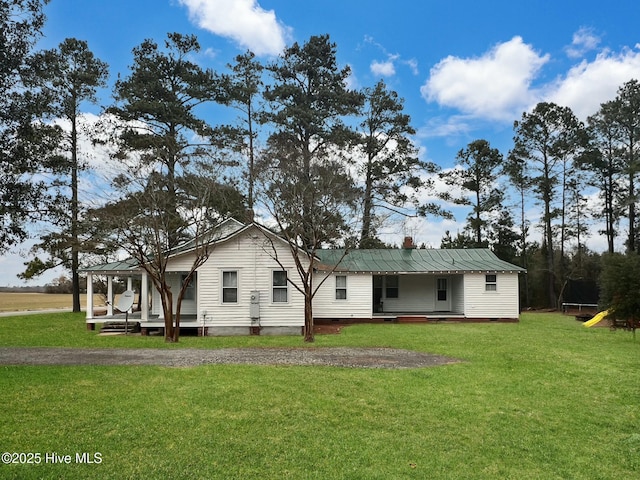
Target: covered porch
pixel 142 312
pixel 128 270
pixel 420 295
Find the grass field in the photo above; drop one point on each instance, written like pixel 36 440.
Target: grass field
pixel 542 399
pixel 18 302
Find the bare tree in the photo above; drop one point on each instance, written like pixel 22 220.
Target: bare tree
pixel 171 174
pixel 140 225
pixel 310 213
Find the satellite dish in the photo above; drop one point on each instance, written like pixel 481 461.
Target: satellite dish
pixel 125 302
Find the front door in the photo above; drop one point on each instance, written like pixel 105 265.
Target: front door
pixel 443 296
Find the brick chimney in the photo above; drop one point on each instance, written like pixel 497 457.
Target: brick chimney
pixel 408 243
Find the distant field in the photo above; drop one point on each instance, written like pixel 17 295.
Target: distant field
pixel 18 302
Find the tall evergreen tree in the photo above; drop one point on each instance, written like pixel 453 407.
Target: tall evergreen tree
pixel 26 143
pixel 477 179
pixel 68 76
pixel 307 189
pixel 161 162
pixel 393 175
pixel 516 170
pixel 626 115
pixel 503 238
pixel 604 164
pixel 242 89
pixel 545 139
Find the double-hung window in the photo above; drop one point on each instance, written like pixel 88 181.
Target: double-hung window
pixel 341 287
pixel 491 283
pixel 280 288
pixel 392 283
pixel 230 287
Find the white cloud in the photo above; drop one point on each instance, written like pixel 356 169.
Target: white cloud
pixel 589 84
pixel 584 40
pixel 243 21
pixel 495 85
pixel 453 126
pixel 413 65
pixel 385 69
pixel 210 53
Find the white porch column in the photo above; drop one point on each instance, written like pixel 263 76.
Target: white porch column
pixel 130 287
pixel 89 296
pixel 109 296
pixel 144 298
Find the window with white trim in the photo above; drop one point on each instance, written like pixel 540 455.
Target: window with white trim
pixel 491 283
pixel 230 286
pixel 280 288
pixel 341 287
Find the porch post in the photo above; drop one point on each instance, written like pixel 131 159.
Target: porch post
pixel 130 287
pixel 89 296
pixel 109 296
pixel 144 298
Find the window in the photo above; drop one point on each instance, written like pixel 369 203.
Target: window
pixel 392 282
pixel 491 284
pixel 230 287
pixel 190 291
pixel 280 287
pixel 341 287
pixel 441 289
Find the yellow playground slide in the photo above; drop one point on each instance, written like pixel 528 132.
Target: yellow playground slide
pixel 597 319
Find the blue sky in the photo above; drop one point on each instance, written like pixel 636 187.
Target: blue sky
pixel 466 69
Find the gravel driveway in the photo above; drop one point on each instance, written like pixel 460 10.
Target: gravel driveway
pixel 337 357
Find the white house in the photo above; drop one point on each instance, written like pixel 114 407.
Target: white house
pixel 242 289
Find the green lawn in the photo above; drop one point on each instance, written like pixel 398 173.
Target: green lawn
pixel 542 399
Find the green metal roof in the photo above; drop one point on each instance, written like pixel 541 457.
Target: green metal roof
pixel 416 261
pixel 123 267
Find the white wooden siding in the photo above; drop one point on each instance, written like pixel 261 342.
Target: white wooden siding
pixel 359 301
pixel 457 293
pixel 501 303
pixel 415 294
pixel 188 307
pixel 250 254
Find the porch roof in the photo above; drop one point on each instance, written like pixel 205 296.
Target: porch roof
pixel 121 267
pixel 416 261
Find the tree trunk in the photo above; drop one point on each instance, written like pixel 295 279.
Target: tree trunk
pixel 75 261
pixel 631 242
pixel 365 233
pixel 308 315
pixel 251 159
pixel 167 308
pixel 478 220
pixel 176 330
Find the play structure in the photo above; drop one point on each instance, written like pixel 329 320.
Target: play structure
pixel 596 319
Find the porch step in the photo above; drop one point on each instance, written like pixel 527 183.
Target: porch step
pixel 116 327
pixel 412 319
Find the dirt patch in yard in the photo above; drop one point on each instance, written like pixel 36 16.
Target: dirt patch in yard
pixel 334 356
pixel 332 329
